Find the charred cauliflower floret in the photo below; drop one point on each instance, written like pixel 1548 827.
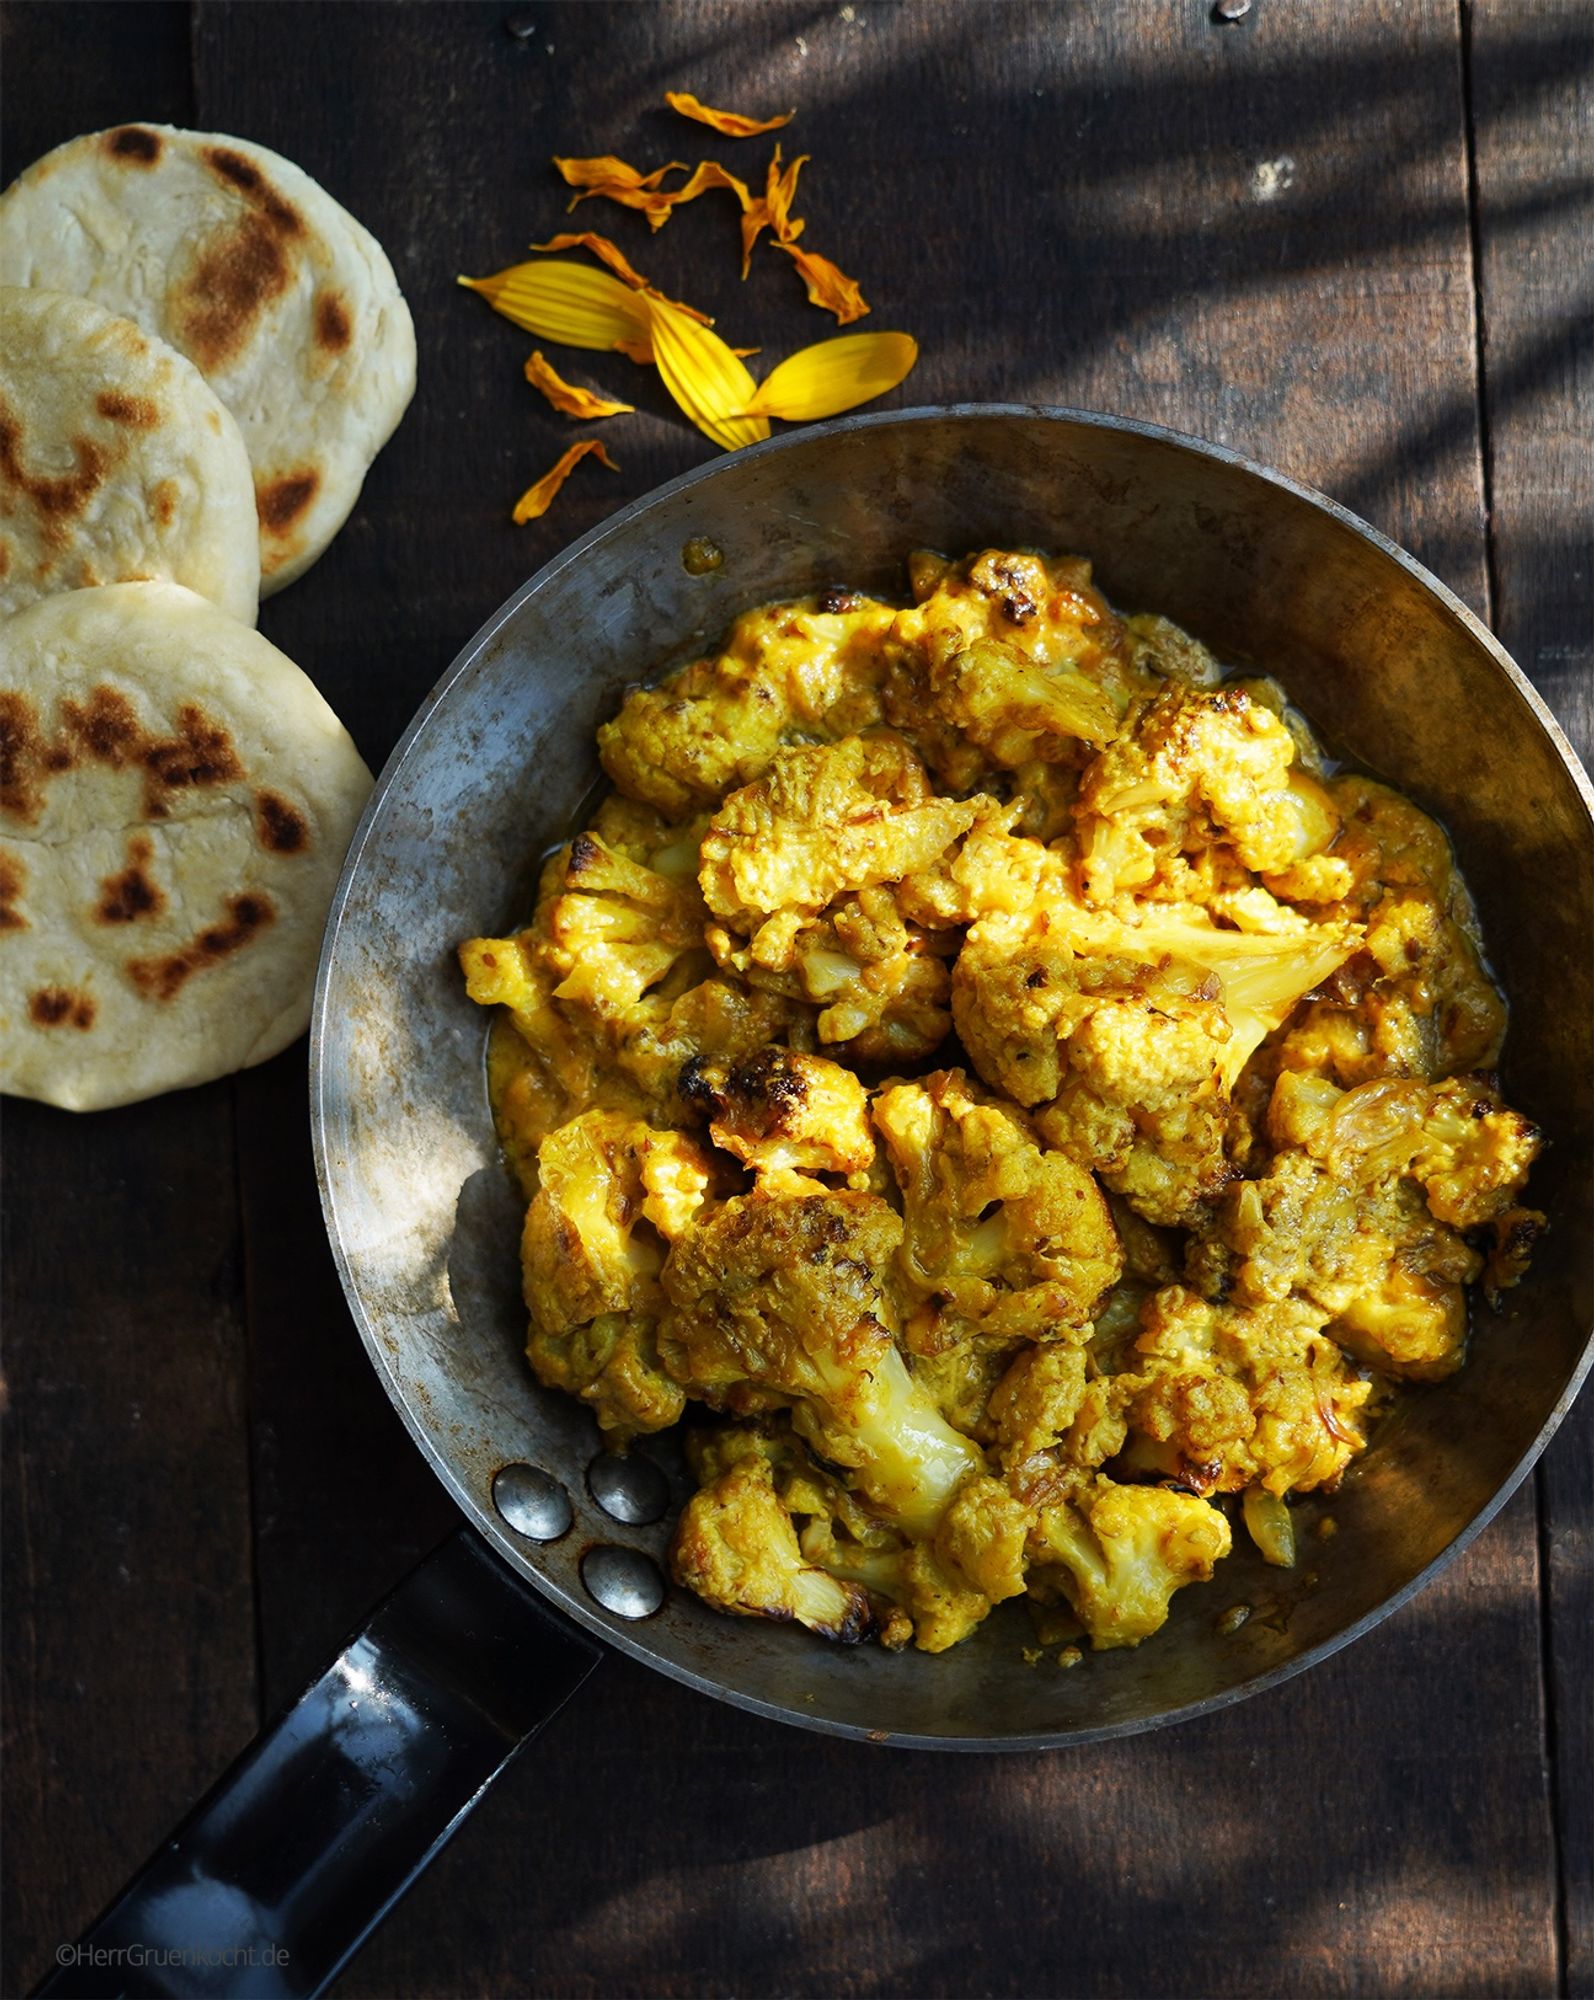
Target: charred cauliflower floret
pixel 1059 659
pixel 1233 1154
pixel 781 1108
pixel 1001 1238
pixel 1197 767
pixel 794 672
pixel 736 1547
pixel 1120 1552
pixel 783 1303
pixel 1228 1396
pixel 827 819
pixel 612 1194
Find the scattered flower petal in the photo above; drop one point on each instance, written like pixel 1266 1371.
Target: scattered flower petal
pixel 772 209
pixel 537 499
pixel 574 401
pixel 827 286
pixel 834 375
pixel 615 181
pixel 706 379
pixel 618 262
pixel 731 123
pixel 568 303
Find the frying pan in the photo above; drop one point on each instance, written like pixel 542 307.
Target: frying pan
pixel 306 1842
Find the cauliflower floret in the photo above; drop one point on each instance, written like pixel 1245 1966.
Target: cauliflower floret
pixel 1360 1208
pixel 618 930
pixel 825 820
pixel 1470 1151
pixel 736 1548
pixel 1000 1238
pixel 1016 711
pixel 783 1302
pixel 612 1194
pixel 881 984
pixel 982 1536
pixel 1415 1000
pixel 1123 1058
pixel 1195 767
pixel 1122 1551
pixel 1045 617
pixel 1229 1396
pixel 611 1363
pixel 781 1108
pixel 1370 1258
pixel 788 672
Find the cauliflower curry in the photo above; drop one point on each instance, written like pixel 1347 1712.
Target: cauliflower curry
pixel 981 1054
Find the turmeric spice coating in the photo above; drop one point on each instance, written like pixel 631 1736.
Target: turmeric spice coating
pixel 981 1062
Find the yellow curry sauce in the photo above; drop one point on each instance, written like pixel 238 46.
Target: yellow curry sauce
pixel 982 1054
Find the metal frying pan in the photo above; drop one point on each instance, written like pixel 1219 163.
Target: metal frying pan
pixel 463 1664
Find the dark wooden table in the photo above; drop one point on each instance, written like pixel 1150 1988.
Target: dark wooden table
pixel 1348 237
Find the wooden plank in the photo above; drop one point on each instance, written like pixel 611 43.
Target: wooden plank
pixel 129 1656
pixel 1531 77
pixel 1258 234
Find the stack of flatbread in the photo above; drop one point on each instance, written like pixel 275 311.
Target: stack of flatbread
pixel 200 355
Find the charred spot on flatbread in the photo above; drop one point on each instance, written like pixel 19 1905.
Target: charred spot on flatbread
pixel 163 503
pixel 333 327
pixel 200 754
pixel 237 272
pixel 252 184
pixel 163 977
pixel 282 500
pixel 133 893
pixel 133 146
pixel 21 758
pixel 139 413
pixel 280 827
pixel 59 498
pixel 60 1007
pixel 105 728
pixel 13 880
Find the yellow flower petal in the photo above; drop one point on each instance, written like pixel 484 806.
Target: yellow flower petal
pixel 606 171
pixel 706 379
pixel 780 190
pixel 566 396
pixel 731 123
pixel 537 499
pixel 834 375
pixel 569 303
pixel 827 286
pixel 613 180
pixel 618 262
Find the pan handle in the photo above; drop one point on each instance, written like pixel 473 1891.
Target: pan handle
pixel 296 1855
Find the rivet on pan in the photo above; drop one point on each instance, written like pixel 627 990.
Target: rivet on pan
pixel 521 24
pixel 623 1581
pixel 532 1502
pixel 628 1489
pixel 1231 10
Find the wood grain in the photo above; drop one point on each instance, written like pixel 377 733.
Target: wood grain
pixel 1260 234
pixel 129 1626
pixel 1532 87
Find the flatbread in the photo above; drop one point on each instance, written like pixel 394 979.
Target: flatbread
pixel 175 803
pixel 237 259
pixel 117 461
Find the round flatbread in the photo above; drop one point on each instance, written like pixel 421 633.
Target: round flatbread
pixel 117 461
pixel 236 258
pixel 175 802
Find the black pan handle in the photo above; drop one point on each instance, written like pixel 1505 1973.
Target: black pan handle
pixel 299 1852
